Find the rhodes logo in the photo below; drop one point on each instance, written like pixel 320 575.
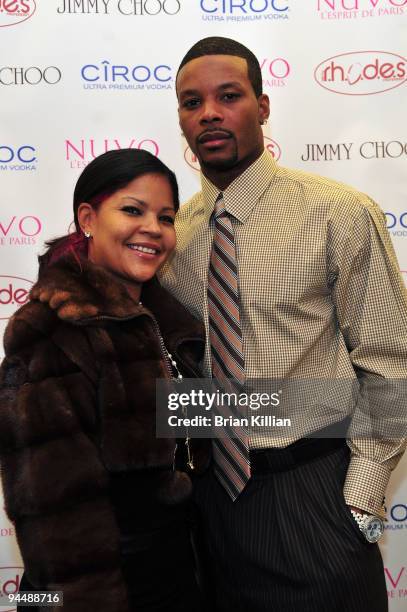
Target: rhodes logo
pixel 18 158
pixel 361 73
pixel 244 10
pixel 10 578
pixel 13 294
pixel 104 75
pixel 269 144
pixel 137 8
pixel 79 152
pixel 13 12
pixel 354 9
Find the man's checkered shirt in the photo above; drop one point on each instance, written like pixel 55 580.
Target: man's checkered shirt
pixel 321 295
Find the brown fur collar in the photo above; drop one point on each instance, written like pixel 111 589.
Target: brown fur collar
pixel 79 291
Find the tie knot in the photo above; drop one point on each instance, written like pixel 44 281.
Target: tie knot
pixel 220 206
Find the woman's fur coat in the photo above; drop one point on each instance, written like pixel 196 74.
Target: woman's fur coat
pixel 77 402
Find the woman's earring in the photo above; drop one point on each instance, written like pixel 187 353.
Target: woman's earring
pixel 87 234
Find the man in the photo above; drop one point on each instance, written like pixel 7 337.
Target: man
pixel 295 279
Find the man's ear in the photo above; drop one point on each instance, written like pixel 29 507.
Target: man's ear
pixel 264 108
pixel 86 216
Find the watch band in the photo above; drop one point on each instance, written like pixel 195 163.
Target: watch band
pixel 360 518
pixel 370 525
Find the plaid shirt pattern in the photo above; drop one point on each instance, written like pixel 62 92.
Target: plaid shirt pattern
pixel 321 295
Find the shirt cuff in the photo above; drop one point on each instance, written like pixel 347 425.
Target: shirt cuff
pixel 365 485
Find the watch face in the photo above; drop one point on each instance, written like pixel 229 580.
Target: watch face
pixel 373 529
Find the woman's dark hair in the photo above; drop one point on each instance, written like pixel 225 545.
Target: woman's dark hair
pixel 105 175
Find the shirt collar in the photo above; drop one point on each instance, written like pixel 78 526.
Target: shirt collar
pixel 252 183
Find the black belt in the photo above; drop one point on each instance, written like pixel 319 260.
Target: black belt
pixel 269 460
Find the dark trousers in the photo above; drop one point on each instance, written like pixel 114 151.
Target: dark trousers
pixel 289 544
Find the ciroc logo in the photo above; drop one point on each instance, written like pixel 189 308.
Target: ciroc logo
pixel 361 73
pixel 104 75
pixel 351 9
pixel 10 578
pixel 13 12
pixel 13 294
pixel 244 10
pixel 33 75
pixel 138 8
pixel 275 71
pixel 397 223
pixel 271 145
pixel 18 158
pixel 80 152
pixel 398 514
pixel 19 231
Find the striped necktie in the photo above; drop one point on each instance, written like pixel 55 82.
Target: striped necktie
pixel 231 453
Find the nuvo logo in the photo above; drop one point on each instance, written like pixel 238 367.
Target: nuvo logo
pixel 396 580
pixel 349 9
pixel 19 231
pixel 271 145
pixel 275 71
pixel 13 12
pixel 10 578
pixel 7 532
pixel 80 152
pixel 14 292
pixel 361 73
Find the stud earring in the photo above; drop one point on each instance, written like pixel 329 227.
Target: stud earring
pixel 264 122
pixel 87 234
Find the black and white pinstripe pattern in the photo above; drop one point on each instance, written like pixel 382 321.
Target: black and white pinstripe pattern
pixel 289 544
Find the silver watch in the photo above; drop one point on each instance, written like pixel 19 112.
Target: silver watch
pixel 371 526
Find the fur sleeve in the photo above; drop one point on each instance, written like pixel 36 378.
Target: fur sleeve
pixel 55 486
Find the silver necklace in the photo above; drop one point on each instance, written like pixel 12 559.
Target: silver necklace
pixel 177 377
pixel 177 374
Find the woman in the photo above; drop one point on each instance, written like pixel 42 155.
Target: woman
pixel 99 508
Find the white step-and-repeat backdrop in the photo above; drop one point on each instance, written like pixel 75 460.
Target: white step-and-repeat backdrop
pixel 79 77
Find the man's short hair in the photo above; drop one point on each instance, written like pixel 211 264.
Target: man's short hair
pixel 218 45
